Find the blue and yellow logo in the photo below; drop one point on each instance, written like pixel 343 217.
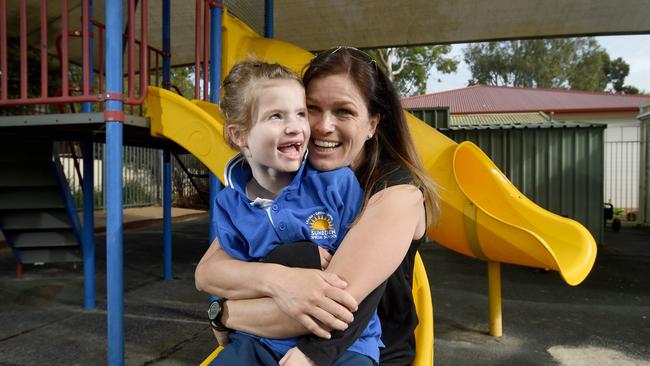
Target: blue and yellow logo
pixel 321 225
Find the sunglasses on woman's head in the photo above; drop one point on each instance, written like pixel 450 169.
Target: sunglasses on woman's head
pixel 354 52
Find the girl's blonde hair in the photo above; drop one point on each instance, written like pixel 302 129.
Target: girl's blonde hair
pixel 239 92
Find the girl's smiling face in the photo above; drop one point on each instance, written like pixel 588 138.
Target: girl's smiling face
pixel 277 141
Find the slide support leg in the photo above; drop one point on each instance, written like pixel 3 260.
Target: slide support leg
pixel 494 298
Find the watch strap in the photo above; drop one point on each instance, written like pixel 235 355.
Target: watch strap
pixel 216 323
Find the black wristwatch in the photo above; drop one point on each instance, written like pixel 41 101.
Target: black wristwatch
pixel 215 312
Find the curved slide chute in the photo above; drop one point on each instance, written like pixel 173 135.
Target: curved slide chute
pixel 483 215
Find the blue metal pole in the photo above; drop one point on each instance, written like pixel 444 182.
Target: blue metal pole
pixel 268 18
pixel 215 91
pixel 88 238
pixel 114 117
pixel 167 216
pixel 167 169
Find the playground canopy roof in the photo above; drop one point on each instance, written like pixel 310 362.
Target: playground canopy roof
pixel 317 25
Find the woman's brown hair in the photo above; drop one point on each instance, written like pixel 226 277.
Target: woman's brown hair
pixel 392 142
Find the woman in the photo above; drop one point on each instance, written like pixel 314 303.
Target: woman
pixel 356 120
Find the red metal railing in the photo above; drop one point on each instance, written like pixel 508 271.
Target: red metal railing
pixel 202 51
pixel 133 95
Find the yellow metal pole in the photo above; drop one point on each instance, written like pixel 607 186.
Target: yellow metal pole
pixel 494 298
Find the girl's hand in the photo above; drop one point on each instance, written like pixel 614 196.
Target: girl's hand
pixel 295 357
pixel 314 298
pixel 325 258
pixel 223 338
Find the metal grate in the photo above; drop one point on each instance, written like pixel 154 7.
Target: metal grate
pixel 622 164
pixel 250 12
pixel 142 176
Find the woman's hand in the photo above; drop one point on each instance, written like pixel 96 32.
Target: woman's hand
pixel 295 357
pixel 316 299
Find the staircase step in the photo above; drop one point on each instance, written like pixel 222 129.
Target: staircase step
pixel 44 198
pixel 25 151
pixel 27 158
pixel 53 219
pixel 27 174
pixel 34 239
pixel 50 255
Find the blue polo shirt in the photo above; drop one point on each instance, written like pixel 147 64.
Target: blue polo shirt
pixel 318 206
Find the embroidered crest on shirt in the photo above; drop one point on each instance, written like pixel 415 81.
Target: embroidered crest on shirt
pixel 321 225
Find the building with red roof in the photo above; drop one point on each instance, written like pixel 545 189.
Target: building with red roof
pixel 559 104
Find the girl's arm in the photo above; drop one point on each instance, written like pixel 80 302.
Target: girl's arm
pixel 314 298
pixel 219 274
pixel 244 315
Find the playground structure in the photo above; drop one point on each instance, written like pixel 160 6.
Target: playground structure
pixel 484 216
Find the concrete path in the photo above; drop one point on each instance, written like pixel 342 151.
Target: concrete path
pixel 604 321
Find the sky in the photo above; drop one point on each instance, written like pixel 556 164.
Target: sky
pixel 635 50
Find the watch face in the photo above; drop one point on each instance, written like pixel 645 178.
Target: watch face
pixel 214 310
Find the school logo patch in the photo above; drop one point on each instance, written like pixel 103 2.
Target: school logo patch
pixel 321 225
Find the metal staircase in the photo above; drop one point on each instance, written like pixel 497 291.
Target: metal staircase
pixel 37 215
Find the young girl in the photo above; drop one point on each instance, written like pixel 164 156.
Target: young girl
pixel 273 196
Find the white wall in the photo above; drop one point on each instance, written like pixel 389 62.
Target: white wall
pixel 644 166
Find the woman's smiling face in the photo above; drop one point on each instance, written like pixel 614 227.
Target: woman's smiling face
pixel 340 122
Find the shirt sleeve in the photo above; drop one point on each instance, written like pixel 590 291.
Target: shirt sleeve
pixel 230 238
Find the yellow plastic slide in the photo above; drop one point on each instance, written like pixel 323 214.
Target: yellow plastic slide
pixel 483 214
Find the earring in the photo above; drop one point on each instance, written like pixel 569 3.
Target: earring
pixel 369 137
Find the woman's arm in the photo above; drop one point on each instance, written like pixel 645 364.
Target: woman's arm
pixel 314 298
pixel 370 255
pixel 376 245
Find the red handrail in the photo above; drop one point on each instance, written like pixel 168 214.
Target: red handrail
pixel 197 49
pixel 133 95
pixel 44 51
pixel 202 50
pixel 23 48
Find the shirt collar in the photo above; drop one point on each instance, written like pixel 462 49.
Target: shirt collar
pixel 238 173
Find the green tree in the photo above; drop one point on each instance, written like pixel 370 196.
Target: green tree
pixel 629 89
pixel 576 63
pixel 409 67
pixel 617 70
pixel 182 77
